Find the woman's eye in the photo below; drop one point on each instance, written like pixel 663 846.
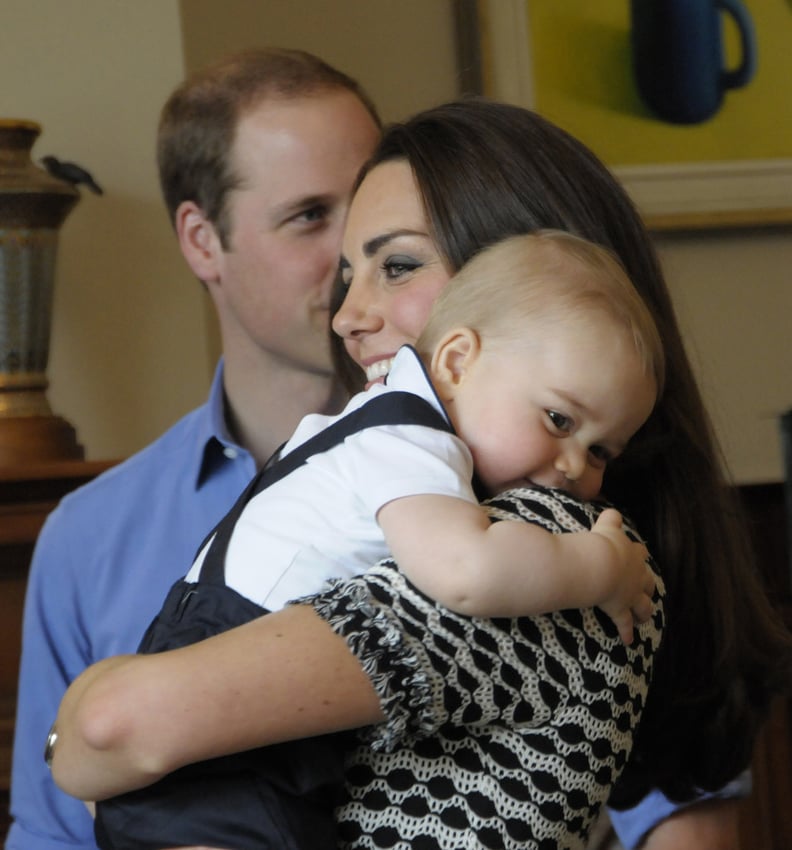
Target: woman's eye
pixel 344 277
pixel 395 267
pixel 560 422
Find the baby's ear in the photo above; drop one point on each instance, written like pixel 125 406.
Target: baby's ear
pixel 453 356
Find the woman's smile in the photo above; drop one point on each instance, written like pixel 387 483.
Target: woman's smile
pixel 378 370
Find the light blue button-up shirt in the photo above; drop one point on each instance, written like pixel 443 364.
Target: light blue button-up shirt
pixel 102 566
pixel 632 825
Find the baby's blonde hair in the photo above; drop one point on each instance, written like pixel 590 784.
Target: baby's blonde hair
pixel 548 275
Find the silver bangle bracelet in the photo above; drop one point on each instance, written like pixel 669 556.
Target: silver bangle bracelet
pixel 49 747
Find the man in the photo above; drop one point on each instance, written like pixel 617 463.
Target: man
pixel 257 157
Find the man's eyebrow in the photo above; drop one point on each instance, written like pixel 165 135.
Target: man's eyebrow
pixel 304 203
pixel 373 245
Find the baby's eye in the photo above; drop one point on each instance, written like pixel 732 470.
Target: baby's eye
pixel 601 454
pixel 560 421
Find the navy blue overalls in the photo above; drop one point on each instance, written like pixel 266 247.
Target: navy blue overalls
pixel 281 796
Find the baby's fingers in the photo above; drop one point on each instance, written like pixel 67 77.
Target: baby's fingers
pixel 626 626
pixel 609 518
pixel 650 582
pixel 642 608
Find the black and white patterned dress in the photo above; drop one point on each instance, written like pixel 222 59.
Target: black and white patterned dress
pixel 504 733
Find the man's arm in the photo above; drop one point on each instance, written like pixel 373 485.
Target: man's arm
pixel 452 552
pixel 709 825
pixel 53 647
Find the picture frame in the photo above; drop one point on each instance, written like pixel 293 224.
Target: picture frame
pixel 495 59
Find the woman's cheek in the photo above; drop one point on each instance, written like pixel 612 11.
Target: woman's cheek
pixel 413 310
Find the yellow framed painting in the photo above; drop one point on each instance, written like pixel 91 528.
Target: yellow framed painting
pixel 579 64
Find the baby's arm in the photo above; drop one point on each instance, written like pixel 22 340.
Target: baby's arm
pixel 452 552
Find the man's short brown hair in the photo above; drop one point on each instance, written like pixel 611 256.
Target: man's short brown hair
pixel 198 122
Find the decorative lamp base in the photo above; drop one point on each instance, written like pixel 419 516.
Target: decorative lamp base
pixel 37 439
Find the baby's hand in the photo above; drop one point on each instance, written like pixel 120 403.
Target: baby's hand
pixel 633 582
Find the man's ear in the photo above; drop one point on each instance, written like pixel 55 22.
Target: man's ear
pixel 453 356
pixel 198 241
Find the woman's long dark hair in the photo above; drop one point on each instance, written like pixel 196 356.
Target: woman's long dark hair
pixel 488 170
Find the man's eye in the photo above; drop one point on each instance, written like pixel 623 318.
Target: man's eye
pixel 561 422
pixel 312 214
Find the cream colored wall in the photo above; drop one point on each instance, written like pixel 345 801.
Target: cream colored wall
pixel 129 344
pixel 128 353
pixel 733 293
pixel 402 51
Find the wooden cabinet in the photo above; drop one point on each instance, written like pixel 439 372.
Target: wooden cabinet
pixel 27 495
pixel 766 816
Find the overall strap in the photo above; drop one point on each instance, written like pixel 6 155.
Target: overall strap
pixel 393 408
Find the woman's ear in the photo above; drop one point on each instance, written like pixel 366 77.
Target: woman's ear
pixel 453 356
pixel 198 241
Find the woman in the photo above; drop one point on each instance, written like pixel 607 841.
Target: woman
pixel 477 172
pixel 670 481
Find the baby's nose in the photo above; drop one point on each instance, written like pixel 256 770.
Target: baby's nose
pixel 571 463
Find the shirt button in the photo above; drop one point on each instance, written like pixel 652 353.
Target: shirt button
pixel 230 452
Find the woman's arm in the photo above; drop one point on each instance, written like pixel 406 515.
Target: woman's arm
pixel 128 721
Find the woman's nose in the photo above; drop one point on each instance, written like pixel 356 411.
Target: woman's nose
pixel 356 316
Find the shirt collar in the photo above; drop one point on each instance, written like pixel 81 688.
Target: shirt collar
pixel 215 445
pixel 408 372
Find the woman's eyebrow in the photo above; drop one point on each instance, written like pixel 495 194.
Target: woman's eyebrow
pixel 373 245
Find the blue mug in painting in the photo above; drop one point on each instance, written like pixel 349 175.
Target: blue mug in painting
pixel 678 56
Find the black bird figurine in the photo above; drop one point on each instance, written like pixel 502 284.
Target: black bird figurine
pixel 70 172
